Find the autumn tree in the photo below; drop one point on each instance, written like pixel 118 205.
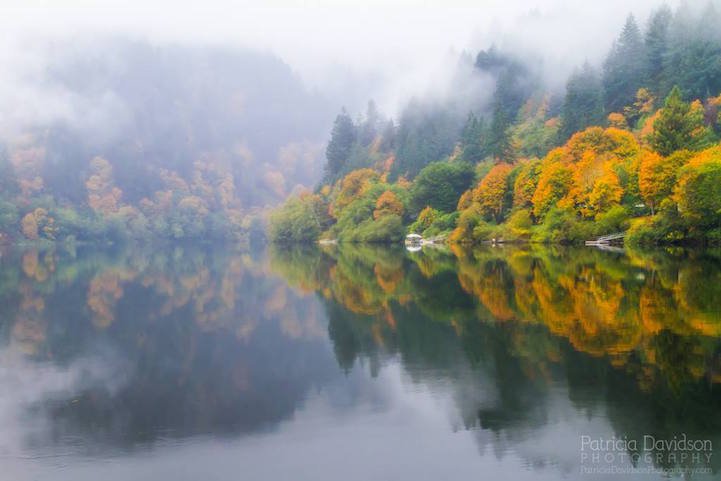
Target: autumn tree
pixel 353 186
pixel 38 224
pixel 425 218
pixel 698 191
pixel 492 193
pixel 657 175
pixel 553 184
pixel 103 196
pixel 641 107
pixel 526 183
pixel 388 203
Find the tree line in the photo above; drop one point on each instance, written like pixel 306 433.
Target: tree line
pixel 633 145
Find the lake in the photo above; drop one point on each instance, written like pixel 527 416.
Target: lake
pixel 359 363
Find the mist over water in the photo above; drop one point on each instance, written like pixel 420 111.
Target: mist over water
pixel 149 330
pixel 184 362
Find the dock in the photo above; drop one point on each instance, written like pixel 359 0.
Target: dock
pixel 607 240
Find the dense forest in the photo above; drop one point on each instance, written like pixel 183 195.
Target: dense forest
pixel 630 145
pixel 161 142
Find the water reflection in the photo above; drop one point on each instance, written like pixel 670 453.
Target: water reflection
pixel 185 342
pixel 518 351
pixel 527 337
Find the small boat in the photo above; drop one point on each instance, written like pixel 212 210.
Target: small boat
pixel 414 241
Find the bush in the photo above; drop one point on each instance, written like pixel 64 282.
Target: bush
pixel 442 224
pixel 386 229
pixel 659 229
pixel 485 232
pixel 295 221
pixel 467 221
pixel 519 225
pixel 562 226
pixel 613 220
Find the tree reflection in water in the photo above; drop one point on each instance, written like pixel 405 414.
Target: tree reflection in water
pixel 187 341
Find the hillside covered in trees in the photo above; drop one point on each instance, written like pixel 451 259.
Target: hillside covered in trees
pixel 632 144
pixel 157 142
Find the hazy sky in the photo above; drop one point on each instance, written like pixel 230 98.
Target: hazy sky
pixel 402 42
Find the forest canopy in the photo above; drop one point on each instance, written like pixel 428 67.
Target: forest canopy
pixel 632 145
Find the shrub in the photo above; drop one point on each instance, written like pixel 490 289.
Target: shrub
pixel 562 226
pixel 519 225
pixel 613 220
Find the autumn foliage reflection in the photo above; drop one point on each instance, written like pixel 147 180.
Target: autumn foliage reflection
pixel 618 306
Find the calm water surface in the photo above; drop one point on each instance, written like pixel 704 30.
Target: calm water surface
pixel 357 363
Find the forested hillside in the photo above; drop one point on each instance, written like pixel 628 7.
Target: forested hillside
pixel 159 142
pixel 632 144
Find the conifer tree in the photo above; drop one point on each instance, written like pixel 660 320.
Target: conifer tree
pixel 583 104
pixel 674 128
pixel 341 142
pixel 623 70
pixel 656 45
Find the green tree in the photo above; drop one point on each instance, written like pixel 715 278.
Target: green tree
pixel 623 70
pixel 440 185
pixel 300 219
pixel 676 125
pixel 583 104
pixel 656 44
pixel 368 129
pixel 8 180
pixel 427 133
pixel 341 142
pixel 698 190
pixel 473 139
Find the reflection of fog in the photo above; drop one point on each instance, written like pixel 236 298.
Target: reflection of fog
pixel 28 388
pixel 181 343
pixel 353 428
pixel 355 364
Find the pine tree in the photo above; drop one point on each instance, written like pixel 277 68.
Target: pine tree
pixel 341 142
pixel 473 139
pixel 369 126
pixel 623 70
pixel 583 104
pixel 656 45
pixel 694 51
pixel 388 136
pixel 673 130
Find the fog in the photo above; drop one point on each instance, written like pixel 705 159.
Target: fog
pixel 156 86
pixel 388 50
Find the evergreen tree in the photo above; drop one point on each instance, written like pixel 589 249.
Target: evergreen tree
pixel 369 126
pixel 341 142
pixel 8 180
pixel 499 139
pixel 656 45
pixel 472 139
pixel 427 133
pixel 514 84
pixel 388 137
pixel 623 70
pixel 675 126
pixel 694 51
pixel 583 105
